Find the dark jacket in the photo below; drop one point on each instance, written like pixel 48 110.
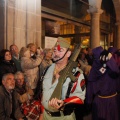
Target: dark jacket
pixel 7 67
pixel 9 111
pixel 90 59
pixel 17 63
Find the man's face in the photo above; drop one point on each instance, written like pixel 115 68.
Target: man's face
pixel 57 54
pixel 9 82
pixel 14 50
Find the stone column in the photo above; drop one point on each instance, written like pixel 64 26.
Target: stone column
pixel 118 36
pixel 22 22
pixel 2 24
pixel 95 11
pixel 95 28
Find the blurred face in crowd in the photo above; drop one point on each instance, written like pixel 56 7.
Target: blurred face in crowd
pixel 14 50
pixel 90 51
pixel 20 80
pixel 33 49
pixel 49 54
pixel 85 51
pixel 9 82
pixel 7 56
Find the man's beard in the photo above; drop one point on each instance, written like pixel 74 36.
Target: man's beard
pixel 11 87
pixel 55 58
pixel 58 58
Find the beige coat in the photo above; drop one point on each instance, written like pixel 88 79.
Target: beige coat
pixel 25 96
pixel 30 69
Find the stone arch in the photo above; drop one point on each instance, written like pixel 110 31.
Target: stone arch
pixel 97 4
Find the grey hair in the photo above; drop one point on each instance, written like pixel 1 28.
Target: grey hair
pixel 5 76
pixel 17 74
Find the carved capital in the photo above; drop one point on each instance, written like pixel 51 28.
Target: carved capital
pixel 94 10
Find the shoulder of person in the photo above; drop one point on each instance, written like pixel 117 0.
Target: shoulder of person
pixel 1 91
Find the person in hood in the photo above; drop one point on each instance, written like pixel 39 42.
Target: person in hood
pixel 102 87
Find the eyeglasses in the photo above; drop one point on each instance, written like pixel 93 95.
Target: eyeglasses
pixel 13 49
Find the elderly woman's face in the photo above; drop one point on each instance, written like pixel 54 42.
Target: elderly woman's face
pixel 20 80
pixel 49 54
pixel 8 56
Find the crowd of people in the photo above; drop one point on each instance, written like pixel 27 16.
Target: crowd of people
pixel 49 84
pixel 19 73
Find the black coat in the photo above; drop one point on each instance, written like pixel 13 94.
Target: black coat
pixel 7 67
pixel 89 59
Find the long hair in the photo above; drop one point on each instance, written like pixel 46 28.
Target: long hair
pixel 2 53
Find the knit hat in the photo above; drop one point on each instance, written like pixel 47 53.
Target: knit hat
pixel 22 51
pixel 61 42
